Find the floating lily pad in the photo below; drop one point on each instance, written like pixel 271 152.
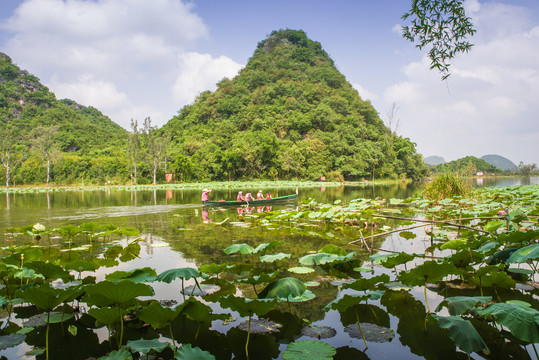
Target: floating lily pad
pixel 309 350
pixel 204 290
pixel 372 332
pixel 312 283
pixel 319 331
pixel 301 270
pixel 362 269
pixel 260 326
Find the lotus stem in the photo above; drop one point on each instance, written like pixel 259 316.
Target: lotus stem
pixel 47 335
pixel 172 336
pixel 361 331
pixel 183 291
pixel 248 336
pixel 121 328
pixel 426 299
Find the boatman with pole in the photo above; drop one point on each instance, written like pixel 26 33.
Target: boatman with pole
pixel 205 193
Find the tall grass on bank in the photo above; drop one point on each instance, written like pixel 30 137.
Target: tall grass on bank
pixel 446 185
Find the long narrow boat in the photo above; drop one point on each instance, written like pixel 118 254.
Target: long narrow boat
pixel 252 203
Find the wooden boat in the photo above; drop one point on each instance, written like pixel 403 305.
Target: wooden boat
pixel 264 202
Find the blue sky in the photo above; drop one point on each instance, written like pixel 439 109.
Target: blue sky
pixel 137 58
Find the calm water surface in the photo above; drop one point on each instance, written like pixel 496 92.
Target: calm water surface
pixel 180 232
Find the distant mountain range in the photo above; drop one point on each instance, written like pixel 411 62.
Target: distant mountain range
pixel 434 160
pixel 496 161
pixel 500 162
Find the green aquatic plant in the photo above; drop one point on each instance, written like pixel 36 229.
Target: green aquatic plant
pixel 446 185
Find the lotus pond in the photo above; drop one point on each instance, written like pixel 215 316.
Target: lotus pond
pixel 346 272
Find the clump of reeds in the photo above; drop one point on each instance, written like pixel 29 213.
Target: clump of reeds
pixel 446 185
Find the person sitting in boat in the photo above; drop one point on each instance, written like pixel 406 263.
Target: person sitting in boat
pixel 240 196
pixel 268 196
pixel 260 195
pixel 249 196
pixel 205 193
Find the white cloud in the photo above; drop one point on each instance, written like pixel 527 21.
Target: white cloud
pixel 200 72
pixel 133 44
pixel 489 105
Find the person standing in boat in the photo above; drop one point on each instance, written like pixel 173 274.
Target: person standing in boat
pixel 240 196
pixel 205 193
pixel 260 195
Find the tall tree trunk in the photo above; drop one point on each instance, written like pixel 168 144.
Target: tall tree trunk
pixel 48 170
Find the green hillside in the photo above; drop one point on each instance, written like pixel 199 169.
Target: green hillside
pixel 500 162
pixel 469 165
pixel 85 141
pixel 288 114
pixel 434 160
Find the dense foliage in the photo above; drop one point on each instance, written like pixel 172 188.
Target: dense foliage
pixel 468 165
pixel 85 142
pixel 288 114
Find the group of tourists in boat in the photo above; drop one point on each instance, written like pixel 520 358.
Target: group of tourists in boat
pixel 247 198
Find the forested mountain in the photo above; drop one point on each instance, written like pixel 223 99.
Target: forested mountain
pixel 288 114
pixel 500 162
pixel 35 128
pixel 469 165
pixel 434 160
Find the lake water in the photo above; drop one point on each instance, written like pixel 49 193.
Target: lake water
pixel 179 232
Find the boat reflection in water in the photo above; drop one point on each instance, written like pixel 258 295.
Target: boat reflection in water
pixel 244 210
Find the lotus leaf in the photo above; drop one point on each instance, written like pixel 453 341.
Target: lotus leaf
pixel 136 275
pixel 239 248
pixel 309 350
pixel 107 293
pixel 408 235
pixel 146 346
pixel 372 332
pixel 260 326
pixel 283 289
pixel 301 270
pixel 333 249
pixel 122 354
pixel 104 315
pixel 494 225
pixel 462 333
pixel 455 244
pixel 429 271
pixel 157 315
pixel 130 252
pixel 460 304
pixel 274 257
pixel 247 307
pixel 172 274
pixel 348 301
pixel 363 284
pixel 197 311
pixel 187 352
pixel 267 246
pixel 319 259
pixel 522 321
pixel 492 276
pixel 319 332
pixel 46 297
pixel 525 254
pixel 519 236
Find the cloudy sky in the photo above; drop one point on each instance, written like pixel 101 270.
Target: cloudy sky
pixel 137 58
